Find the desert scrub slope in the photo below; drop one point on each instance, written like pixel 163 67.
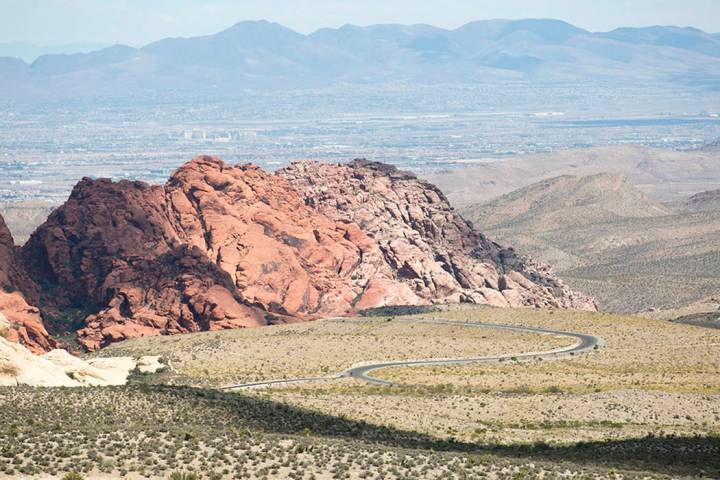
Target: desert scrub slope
pixel 151 431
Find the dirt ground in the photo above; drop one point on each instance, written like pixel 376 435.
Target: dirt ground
pixel 649 376
pixel 324 347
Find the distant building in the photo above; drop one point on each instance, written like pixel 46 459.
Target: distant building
pixel 194 135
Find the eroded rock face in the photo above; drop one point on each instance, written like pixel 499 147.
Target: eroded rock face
pixel 282 255
pixel 178 292
pixel 22 323
pixel 7 255
pixel 19 321
pixel 428 246
pixel 224 246
pixel 111 249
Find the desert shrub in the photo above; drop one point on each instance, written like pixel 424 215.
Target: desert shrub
pixel 183 476
pixel 73 476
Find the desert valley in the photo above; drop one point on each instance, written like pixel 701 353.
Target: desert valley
pixel 154 288
pixel 487 249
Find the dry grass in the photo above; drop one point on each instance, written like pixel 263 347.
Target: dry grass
pixel 322 348
pixel 638 354
pixel 650 377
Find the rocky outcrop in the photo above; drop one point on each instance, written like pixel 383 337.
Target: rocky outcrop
pixel 111 251
pixel 428 246
pixel 18 366
pixel 223 246
pixel 281 254
pixel 22 323
pixel 19 321
pixel 178 292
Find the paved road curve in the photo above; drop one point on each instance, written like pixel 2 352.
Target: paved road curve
pixel 585 344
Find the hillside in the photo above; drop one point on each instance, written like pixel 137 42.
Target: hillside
pixel 702 202
pixel 553 203
pixel 664 175
pixel 266 55
pixel 608 238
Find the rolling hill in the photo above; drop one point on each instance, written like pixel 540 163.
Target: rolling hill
pixel 702 202
pixel 665 175
pixel 609 239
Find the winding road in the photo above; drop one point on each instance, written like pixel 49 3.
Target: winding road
pixel 585 343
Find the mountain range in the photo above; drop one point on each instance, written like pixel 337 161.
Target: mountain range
pixel 29 52
pixel 263 55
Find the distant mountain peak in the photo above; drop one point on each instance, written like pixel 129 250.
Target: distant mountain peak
pixel 556 31
pixel 257 27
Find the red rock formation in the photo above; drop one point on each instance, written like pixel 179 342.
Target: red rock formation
pixel 19 321
pixel 111 249
pixel 428 245
pixel 177 292
pixel 23 323
pixel 280 253
pixel 229 247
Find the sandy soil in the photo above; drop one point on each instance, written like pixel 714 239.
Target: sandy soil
pixel 649 377
pixel 323 347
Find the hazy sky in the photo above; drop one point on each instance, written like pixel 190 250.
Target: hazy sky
pixel 137 22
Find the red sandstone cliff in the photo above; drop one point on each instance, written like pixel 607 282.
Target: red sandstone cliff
pixel 426 244
pixel 19 321
pixel 224 246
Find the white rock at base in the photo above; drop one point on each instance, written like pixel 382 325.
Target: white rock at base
pixel 20 367
pixel 58 368
pixel 149 364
